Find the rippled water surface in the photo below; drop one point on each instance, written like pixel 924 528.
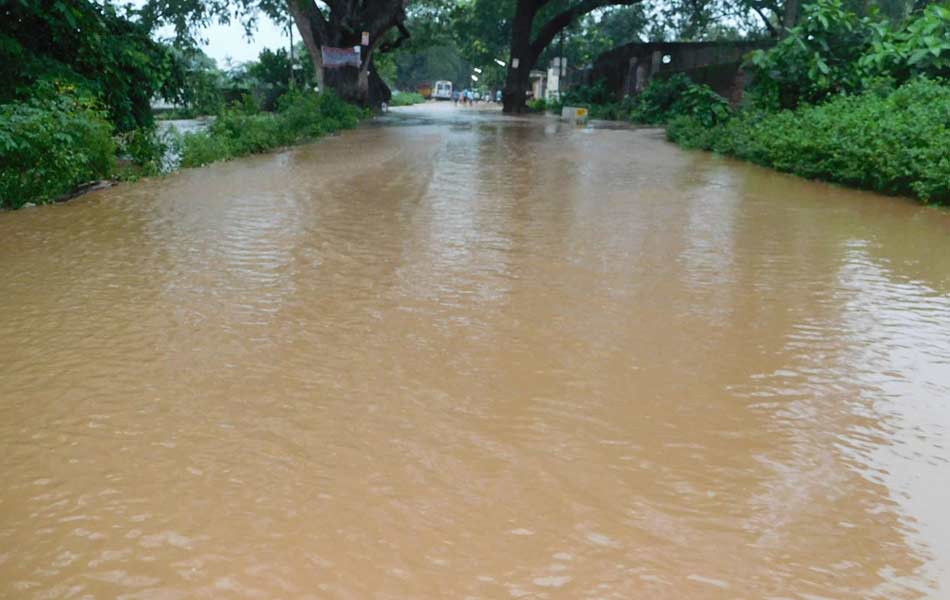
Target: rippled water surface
pixel 453 355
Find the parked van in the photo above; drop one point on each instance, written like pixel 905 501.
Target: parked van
pixel 442 90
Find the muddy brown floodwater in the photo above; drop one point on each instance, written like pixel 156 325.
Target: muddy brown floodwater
pixel 454 355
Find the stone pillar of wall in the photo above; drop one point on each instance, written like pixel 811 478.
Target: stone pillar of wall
pixel 655 61
pixel 630 78
pixel 737 90
pixel 643 76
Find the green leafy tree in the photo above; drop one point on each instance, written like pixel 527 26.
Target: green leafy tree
pixel 335 23
pixel 922 47
pixel 835 51
pixel 819 58
pixel 86 45
pixel 196 81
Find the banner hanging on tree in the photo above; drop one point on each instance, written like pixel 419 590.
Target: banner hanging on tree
pixel 334 58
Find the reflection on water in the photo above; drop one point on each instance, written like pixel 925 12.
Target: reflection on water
pixel 458 355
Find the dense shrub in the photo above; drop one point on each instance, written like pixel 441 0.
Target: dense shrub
pixel 146 151
pixel 662 100
pixel 613 111
pixel 676 96
pixel 588 95
pixel 240 131
pixel 202 148
pixel 406 99
pixel 50 145
pixel 834 51
pixel 898 142
pixel 597 99
pixel 537 105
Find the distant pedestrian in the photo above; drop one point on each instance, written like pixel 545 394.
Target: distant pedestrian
pixel 455 97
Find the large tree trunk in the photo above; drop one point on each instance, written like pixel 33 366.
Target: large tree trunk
pixel 359 86
pixel 518 78
pixel 790 18
pixel 515 95
pixel 343 29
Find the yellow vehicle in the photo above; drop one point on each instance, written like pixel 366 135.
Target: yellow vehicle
pixel 425 90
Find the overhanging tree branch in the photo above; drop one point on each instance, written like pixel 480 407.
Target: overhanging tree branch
pixel 565 18
pixel 403 36
pixel 768 25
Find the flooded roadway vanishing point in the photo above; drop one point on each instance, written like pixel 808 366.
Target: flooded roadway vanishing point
pixel 456 355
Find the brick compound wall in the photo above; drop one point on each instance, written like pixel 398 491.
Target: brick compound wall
pixel 627 69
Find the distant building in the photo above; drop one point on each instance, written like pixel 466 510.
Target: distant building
pixel 549 84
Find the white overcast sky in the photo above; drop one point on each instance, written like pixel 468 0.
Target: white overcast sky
pixel 229 41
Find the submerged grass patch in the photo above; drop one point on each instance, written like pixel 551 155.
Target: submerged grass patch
pixel 406 99
pixel 300 117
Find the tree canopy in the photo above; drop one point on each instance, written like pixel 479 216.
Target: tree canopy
pixel 88 47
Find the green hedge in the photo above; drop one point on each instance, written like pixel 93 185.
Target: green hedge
pixel 49 146
pixel 301 116
pixel 894 142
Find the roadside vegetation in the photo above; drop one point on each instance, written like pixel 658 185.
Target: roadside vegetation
pixel 662 100
pixel 406 99
pixel 847 99
pixel 892 141
pixel 76 81
pixel 76 84
pixel 241 130
pixel 49 145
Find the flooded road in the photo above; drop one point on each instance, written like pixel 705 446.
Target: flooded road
pixel 454 355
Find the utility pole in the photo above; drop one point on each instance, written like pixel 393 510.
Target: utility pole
pixel 560 67
pixel 290 30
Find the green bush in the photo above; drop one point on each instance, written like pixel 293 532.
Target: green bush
pixel 597 99
pixel 201 148
pixel 612 111
pixel 406 99
pixel 665 99
pixel 235 132
pixel 50 145
pixel 662 100
pixel 537 105
pixel 588 95
pixel 896 143
pixel 145 149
